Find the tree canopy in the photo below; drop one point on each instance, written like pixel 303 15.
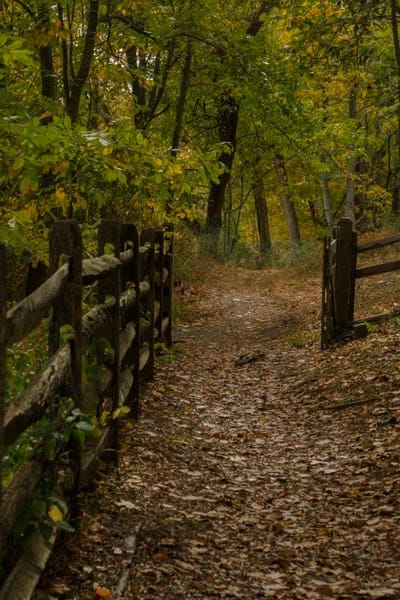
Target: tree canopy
pixel 262 120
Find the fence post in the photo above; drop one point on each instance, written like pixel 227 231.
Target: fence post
pixel 158 279
pixel 3 304
pixel 353 276
pixel 168 283
pixel 147 269
pixel 131 275
pixel 109 233
pixel 345 276
pixel 66 243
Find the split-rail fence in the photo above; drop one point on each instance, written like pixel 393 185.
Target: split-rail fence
pixel 340 273
pixel 114 341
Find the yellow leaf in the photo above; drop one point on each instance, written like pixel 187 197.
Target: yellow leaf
pixel 55 513
pixel 120 412
pixel 60 194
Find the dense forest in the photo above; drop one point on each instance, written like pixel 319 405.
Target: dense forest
pixel 252 122
pixel 260 466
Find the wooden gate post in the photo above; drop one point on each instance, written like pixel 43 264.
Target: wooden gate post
pixel 3 304
pixel 345 274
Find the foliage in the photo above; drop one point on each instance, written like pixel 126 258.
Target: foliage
pixel 293 84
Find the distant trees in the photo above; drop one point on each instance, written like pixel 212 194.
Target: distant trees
pixel 160 107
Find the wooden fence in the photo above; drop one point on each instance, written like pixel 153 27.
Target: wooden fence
pixel 114 341
pixel 340 272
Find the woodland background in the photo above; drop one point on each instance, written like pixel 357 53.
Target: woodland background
pixel 254 122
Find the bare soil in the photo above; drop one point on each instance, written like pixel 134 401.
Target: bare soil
pixel 260 467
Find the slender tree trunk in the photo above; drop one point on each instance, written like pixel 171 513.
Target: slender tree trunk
pixel 396 170
pixel 179 113
pixel 148 103
pixel 180 106
pixel 349 204
pixel 228 118
pixel 79 80
pixel 47 74
pixel 261 207
pixel 291 220
pixel 289 208
pixel 47 71
pixel 326 198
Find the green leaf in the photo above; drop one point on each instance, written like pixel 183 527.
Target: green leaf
pixel 64 526
pixel 79 436
pixel 84 426
pixel 46 529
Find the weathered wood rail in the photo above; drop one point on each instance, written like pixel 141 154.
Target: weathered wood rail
pixel 132 310
pixel 340 272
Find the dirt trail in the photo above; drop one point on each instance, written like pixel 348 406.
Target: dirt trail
pixel 235 483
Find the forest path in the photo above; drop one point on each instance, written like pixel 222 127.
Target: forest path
pixel 241 481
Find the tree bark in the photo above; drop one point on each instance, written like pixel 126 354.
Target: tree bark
pixel 288 207
pixel 349 205
pixel 291 220
pixel 79 80
pixel 228 118
pixel 326 198
pixel 262 217
pixel 180 106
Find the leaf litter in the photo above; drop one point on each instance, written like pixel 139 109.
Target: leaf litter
pixel 260 478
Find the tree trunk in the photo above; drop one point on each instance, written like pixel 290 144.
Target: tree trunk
pixel 396 170
pixel 289 208
pixel 350 193
pixel 79 80
pixel 262 217
pixel 326 198
pixel 180 106
pixel 228 117
pixel 349 205
pixel 148 103
pixel 291 220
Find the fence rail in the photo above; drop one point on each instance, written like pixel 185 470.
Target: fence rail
pixel 340 273
pixel 114 340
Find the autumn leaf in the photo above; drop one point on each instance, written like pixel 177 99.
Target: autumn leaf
pixel 55 513
pixel 103 593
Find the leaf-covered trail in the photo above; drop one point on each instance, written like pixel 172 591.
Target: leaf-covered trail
pixel 239 481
